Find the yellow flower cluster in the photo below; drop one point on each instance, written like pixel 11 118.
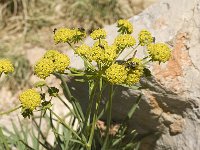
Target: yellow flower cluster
pixel 110 53
pixel 61 63
pixel 64 35
pixel 145 37
pixel 80 33
pixel 128 73
pixel 99 52
pixel 98 34
pixel 30 99
pixel 95 54
pixel 135 73
pixel 102 43
pixel 51 54
pixel 6 66
pixel 124 40
pixel 43 68
pixel 53 61
pixel 83 50
pixel 159 52
pixel 124 26
pixel 116 74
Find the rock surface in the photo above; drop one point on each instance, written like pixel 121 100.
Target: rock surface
pixel 169 109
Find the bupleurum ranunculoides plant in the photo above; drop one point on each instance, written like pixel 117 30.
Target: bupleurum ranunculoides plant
pixel 103 69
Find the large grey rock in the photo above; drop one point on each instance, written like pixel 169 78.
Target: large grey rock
pixel 170 105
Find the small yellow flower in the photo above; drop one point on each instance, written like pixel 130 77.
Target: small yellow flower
pixel 145 37
pixel 124 40
pixel 135 72
pixel 51 54
pixel 125 27
pixel 64 35
pixel 116 74
pixel 83 50
pixel 109 54
pixel 159 52
pixel 62 61
pixel 78 35
pixel 44 67
pixel 6 66
pixel 101 43
pixel 30 99
pixel 96 53
pixel 98 34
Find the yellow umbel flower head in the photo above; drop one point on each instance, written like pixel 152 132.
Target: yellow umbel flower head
pixel 30 99
pixel 98 34
pixel 64 35
pixel 125 27
pixel 135 71
pixel 51 54
pixel 62 61
pixel 124 40
pixel 116 74
pixel 159 52
pixel 96 53
pixel 145 37
pixel 109 54
pixel 101 43
pixel 43 68
pixel 78 35
pixel 83 50
pixel 6 66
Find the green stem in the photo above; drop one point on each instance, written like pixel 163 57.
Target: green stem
pixel 74 75
pixel 67 126
pixel 89 108
pixel 66 105
pixel 134 48
pixel 65 87
pixel 11 110
pixel 70 98
pixel 40 122
pixel 95 117
pixel 109 113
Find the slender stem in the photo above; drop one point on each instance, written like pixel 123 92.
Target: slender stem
pixel 67 126
pixel 71 99
pixel 109 113
pixel 95 117
pixel 40 122
pixel 75 75
pixel 134 48
pixel 65 87
pixel 11 110
pixel 89 108
pixel 66 105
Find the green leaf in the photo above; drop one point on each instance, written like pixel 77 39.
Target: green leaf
pixel 134 107
pixel 3 140
pixel 40 84
pixel 53 91
pixel 26 112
